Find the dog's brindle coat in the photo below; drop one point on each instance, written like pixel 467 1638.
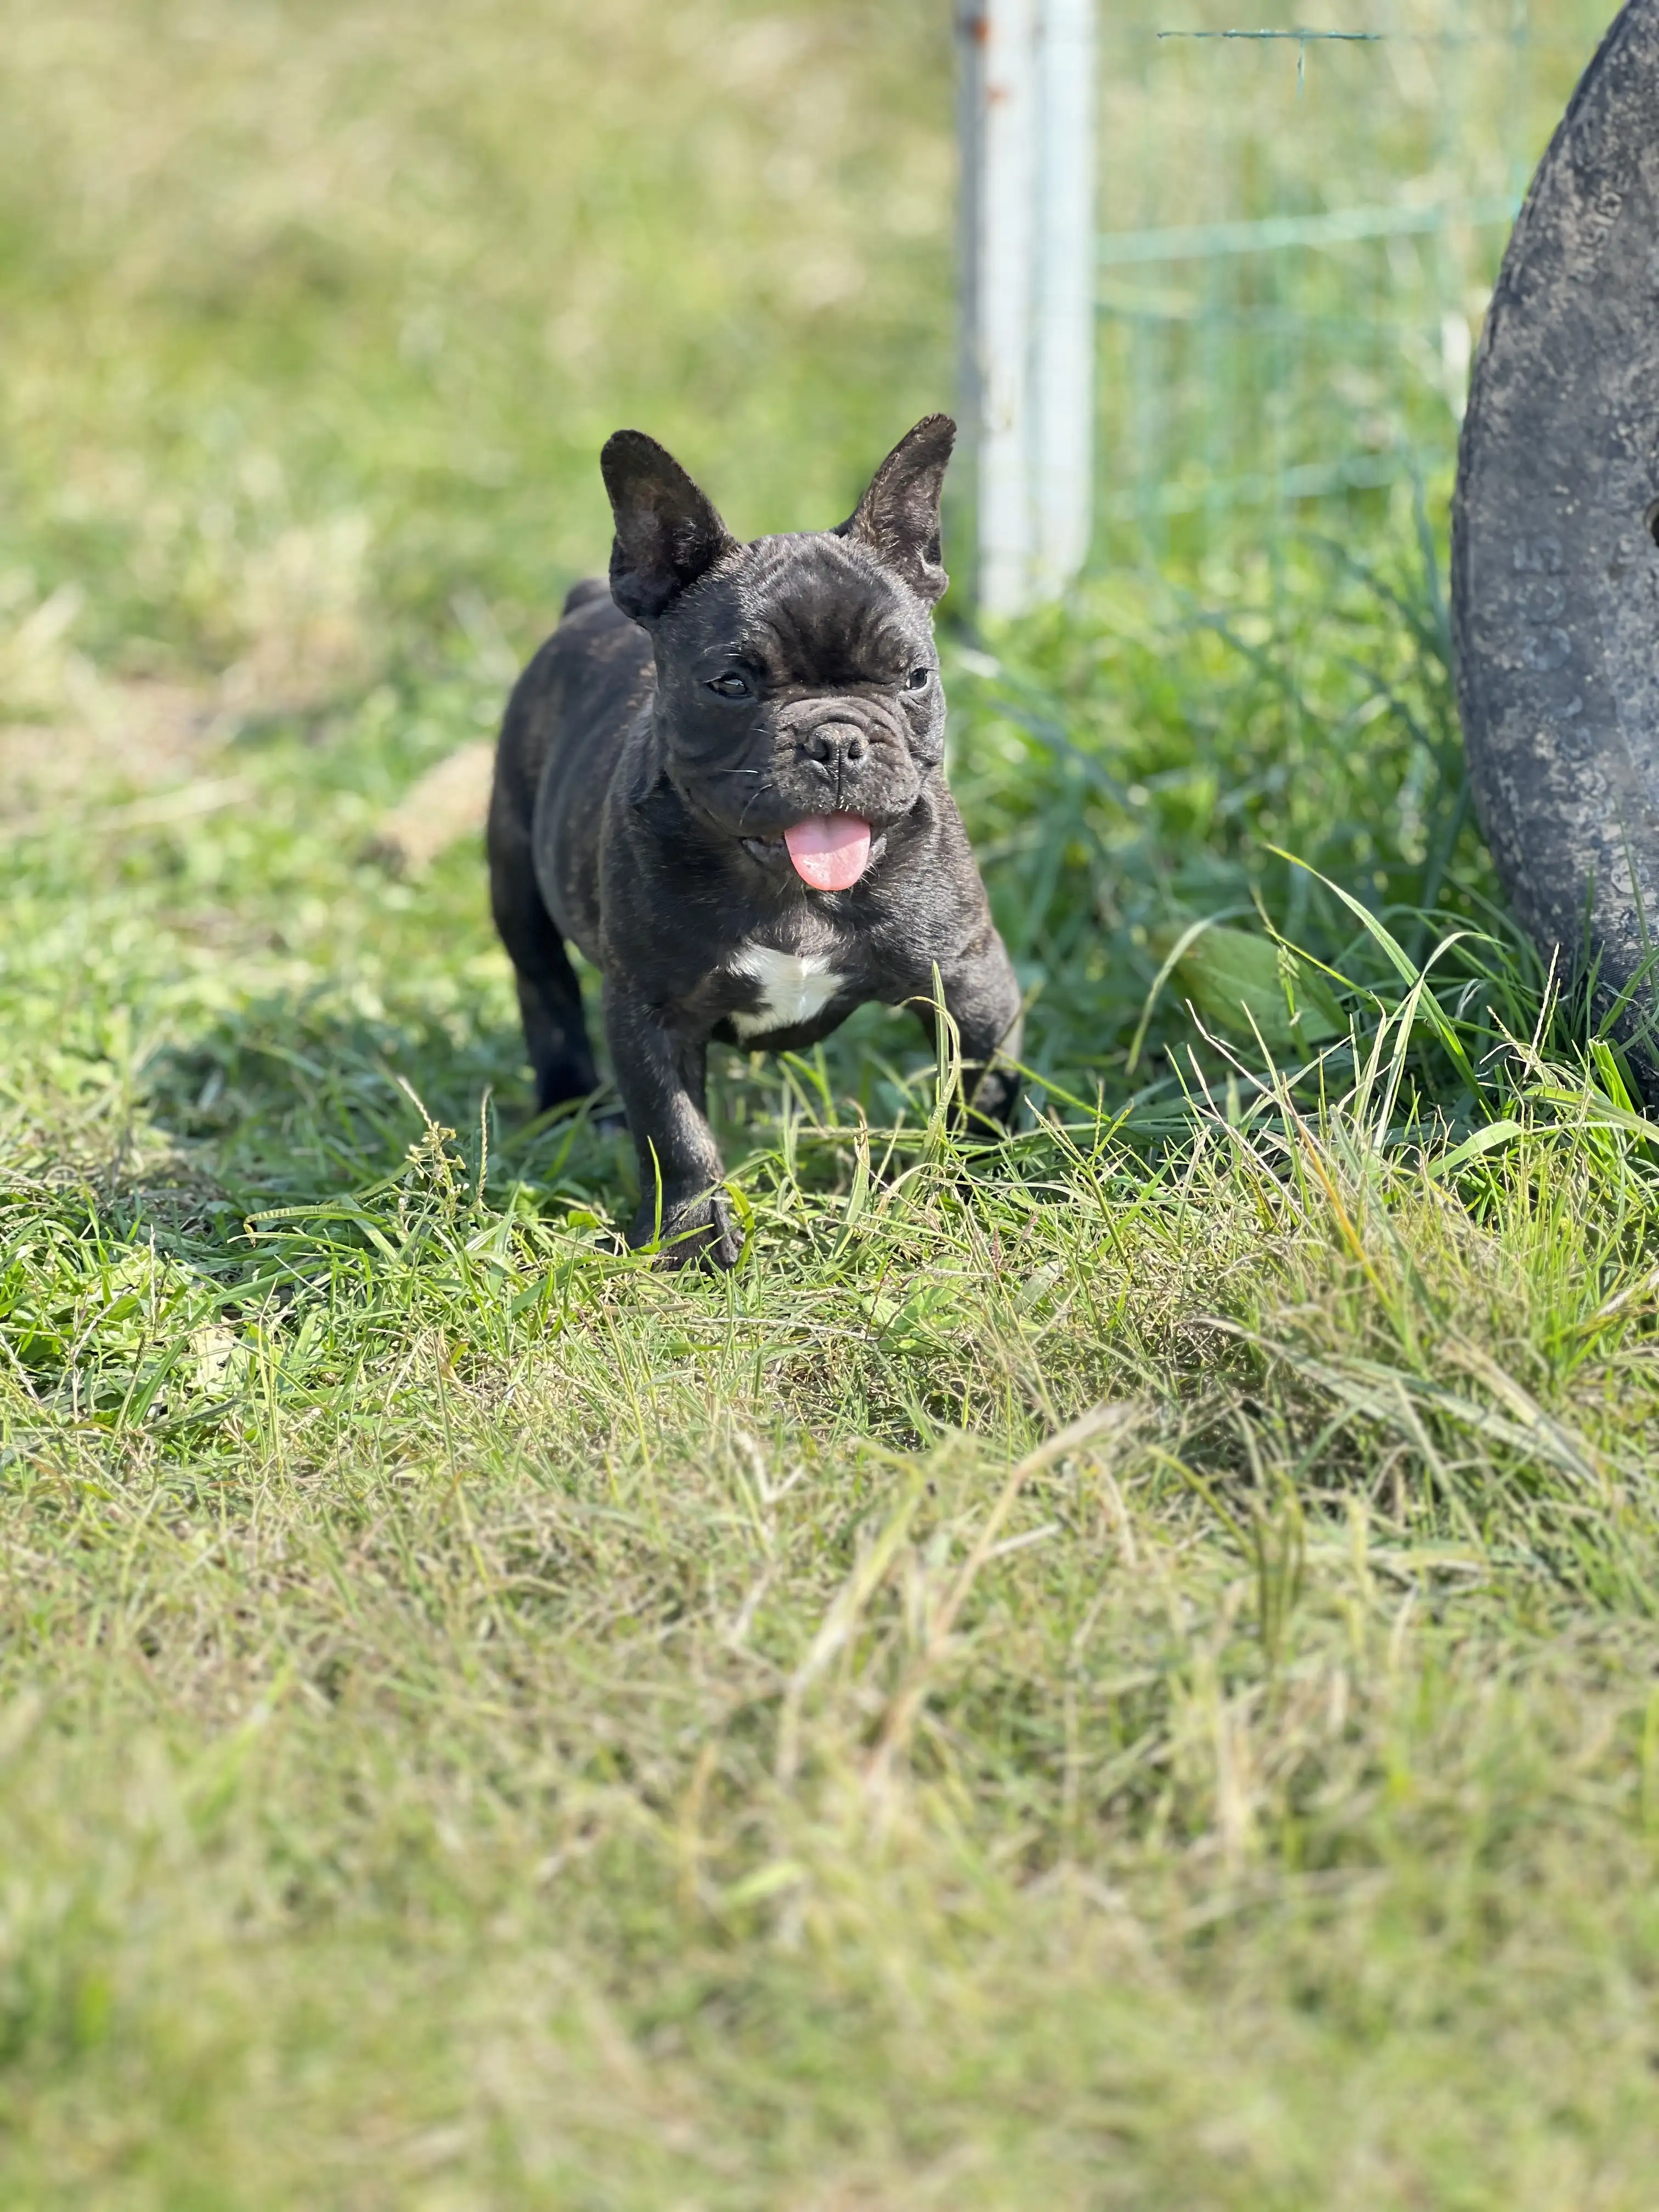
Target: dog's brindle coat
pixel 653 754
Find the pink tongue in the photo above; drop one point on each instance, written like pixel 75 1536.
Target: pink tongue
pixel 829 851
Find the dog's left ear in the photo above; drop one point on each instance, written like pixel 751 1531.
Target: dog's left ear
pixel 898 517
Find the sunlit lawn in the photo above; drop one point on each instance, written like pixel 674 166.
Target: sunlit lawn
pixel 1118 1672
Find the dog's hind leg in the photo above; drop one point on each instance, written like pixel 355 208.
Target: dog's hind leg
pixel 549 997
pixel 554 1028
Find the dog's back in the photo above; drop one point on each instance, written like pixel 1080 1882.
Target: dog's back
pixel 568 715
pixel 578 687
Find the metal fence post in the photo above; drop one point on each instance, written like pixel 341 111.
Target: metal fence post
pixel 1027 130
pixel 998 180
pixel 1065 338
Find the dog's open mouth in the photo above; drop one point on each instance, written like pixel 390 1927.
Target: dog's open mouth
pixel 828 852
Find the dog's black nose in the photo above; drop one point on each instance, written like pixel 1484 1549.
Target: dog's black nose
pixel 836 743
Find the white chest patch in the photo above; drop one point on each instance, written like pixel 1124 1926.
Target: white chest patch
pixel 794 987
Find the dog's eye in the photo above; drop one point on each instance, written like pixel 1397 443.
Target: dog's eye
pixel 918 679
pixel 732 685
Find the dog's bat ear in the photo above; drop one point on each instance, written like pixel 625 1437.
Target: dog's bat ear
pixel 667 532
pixel 898 517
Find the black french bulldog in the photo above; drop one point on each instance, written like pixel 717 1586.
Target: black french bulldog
pixel 722 780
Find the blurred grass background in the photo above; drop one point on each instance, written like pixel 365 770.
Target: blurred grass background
pixel 1300 237
pixel 315 322
pixel 328 309
pixel 483 1725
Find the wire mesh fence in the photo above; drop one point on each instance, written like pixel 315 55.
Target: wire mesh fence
pixel 1300 231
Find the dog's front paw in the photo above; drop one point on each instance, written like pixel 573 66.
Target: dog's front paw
pixel 695 1232
pixel 985 1106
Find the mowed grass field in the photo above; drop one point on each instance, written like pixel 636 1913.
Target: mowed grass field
pixel 1120 1671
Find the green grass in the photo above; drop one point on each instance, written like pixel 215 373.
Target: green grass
pixel 1118 1672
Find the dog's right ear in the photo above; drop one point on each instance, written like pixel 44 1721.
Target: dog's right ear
pixel 667 532
pixel 898 517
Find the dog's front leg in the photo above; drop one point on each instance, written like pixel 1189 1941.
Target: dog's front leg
pixel 983 999
pixel 661 1076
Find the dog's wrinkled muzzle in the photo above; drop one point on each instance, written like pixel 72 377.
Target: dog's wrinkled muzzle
pixel 829 851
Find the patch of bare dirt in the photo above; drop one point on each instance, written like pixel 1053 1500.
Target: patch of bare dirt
pixel 448 803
